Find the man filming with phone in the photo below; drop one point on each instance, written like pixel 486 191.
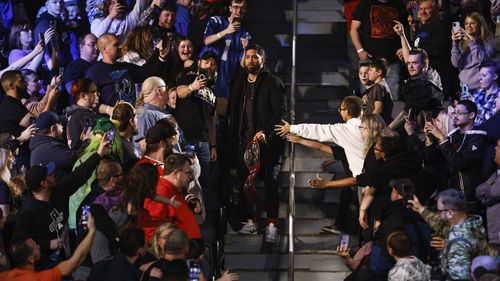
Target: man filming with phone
pixel 227 38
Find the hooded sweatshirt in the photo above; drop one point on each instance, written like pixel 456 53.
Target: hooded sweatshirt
pixel 410 269
pixel 79 118
pixel 45 149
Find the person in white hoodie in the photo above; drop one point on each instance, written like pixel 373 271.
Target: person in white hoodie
pixel 346 135
pixel 118 21
pixel 407 268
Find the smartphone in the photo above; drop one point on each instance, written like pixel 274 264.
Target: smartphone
pixel 61 71
pixel 190 150
pixel 31 121
pixel 455 26
pixel 110 135
pixel 408 191
pixel 42 37
pixel 344 240
pixel 53 24
pixel 85 215
pixel 236 20
pixel 194 271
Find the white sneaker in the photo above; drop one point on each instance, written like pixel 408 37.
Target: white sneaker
pixel 248 228
pixel 271 233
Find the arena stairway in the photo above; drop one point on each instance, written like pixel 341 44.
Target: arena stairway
pixel 321 84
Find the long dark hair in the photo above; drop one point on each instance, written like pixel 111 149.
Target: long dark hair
pixel 139 184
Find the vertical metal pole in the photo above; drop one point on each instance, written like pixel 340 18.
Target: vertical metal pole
pixel 291 196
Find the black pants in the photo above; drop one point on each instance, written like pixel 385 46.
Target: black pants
pixel 270 166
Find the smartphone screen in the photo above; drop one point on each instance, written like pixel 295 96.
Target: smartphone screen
pixel 42 37
pixel 110 135
pixel 344 240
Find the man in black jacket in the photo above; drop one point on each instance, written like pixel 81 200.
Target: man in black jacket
pixel 464 150
pixel 44 209
pixel 258 103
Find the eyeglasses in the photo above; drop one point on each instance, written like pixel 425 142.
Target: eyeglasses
pixel 342 109
pixel 461 113
pixel 240 8
pixel 93 45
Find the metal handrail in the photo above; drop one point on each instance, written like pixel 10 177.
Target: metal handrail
pixel 291 193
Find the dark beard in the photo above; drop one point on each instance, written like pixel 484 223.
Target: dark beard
pixel 253 69
pixel 22 93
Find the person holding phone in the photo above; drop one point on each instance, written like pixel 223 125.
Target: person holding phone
pixel 226 37
pixel 21 43
pixel 471 46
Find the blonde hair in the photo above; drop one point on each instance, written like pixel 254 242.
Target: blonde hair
pixel 4 170
pixel 444 118
pixel 155 248
pixel 484 35
pixel 374 124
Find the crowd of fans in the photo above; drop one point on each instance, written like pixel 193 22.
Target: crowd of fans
pixel 125 124
pixel 442 150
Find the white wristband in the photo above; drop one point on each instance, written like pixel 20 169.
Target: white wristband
pixel 360 50
pixel 190 88
pixel 218 35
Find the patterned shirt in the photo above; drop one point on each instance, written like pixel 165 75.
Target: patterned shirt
pixel 486 105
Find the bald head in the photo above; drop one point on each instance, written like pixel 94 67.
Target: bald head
pixel 108 45
pixel 154 91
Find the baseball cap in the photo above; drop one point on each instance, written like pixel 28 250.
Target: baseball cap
pixel 209 54
pixel 160 132
pixel 48 119
pixel 36 174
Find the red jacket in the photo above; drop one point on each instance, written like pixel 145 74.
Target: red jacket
pixel 182 216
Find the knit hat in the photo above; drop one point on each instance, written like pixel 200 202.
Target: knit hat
pixel 36 174
pixel 103 125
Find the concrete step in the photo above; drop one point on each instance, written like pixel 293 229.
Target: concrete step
pixel 299 275
pixel 262 262
pixel 243 245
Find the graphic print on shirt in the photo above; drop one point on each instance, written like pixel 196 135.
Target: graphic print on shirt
pixel 381 18
pixel 207 96
pixel 56 224
pixel 124 86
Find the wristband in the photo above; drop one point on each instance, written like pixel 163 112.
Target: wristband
pixel 218 35
pixel 360 50
pixel 107 109
pixel 190 88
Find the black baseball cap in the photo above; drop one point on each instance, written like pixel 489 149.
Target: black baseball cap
pixel 36 174
pixel 48 119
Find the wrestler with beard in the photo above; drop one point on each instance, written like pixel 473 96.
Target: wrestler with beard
pixel 14 117
pixel 258 103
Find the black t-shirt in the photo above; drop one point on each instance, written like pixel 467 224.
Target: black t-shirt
pixel 176 270
pixel 378 93
pixel 12 112
pixel 5 196
pixel 75 70
pixel 115 81
pixel 194 113
pixel 249 130
pixel 376 33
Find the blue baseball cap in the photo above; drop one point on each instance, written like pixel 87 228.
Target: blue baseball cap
pixel 36 174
